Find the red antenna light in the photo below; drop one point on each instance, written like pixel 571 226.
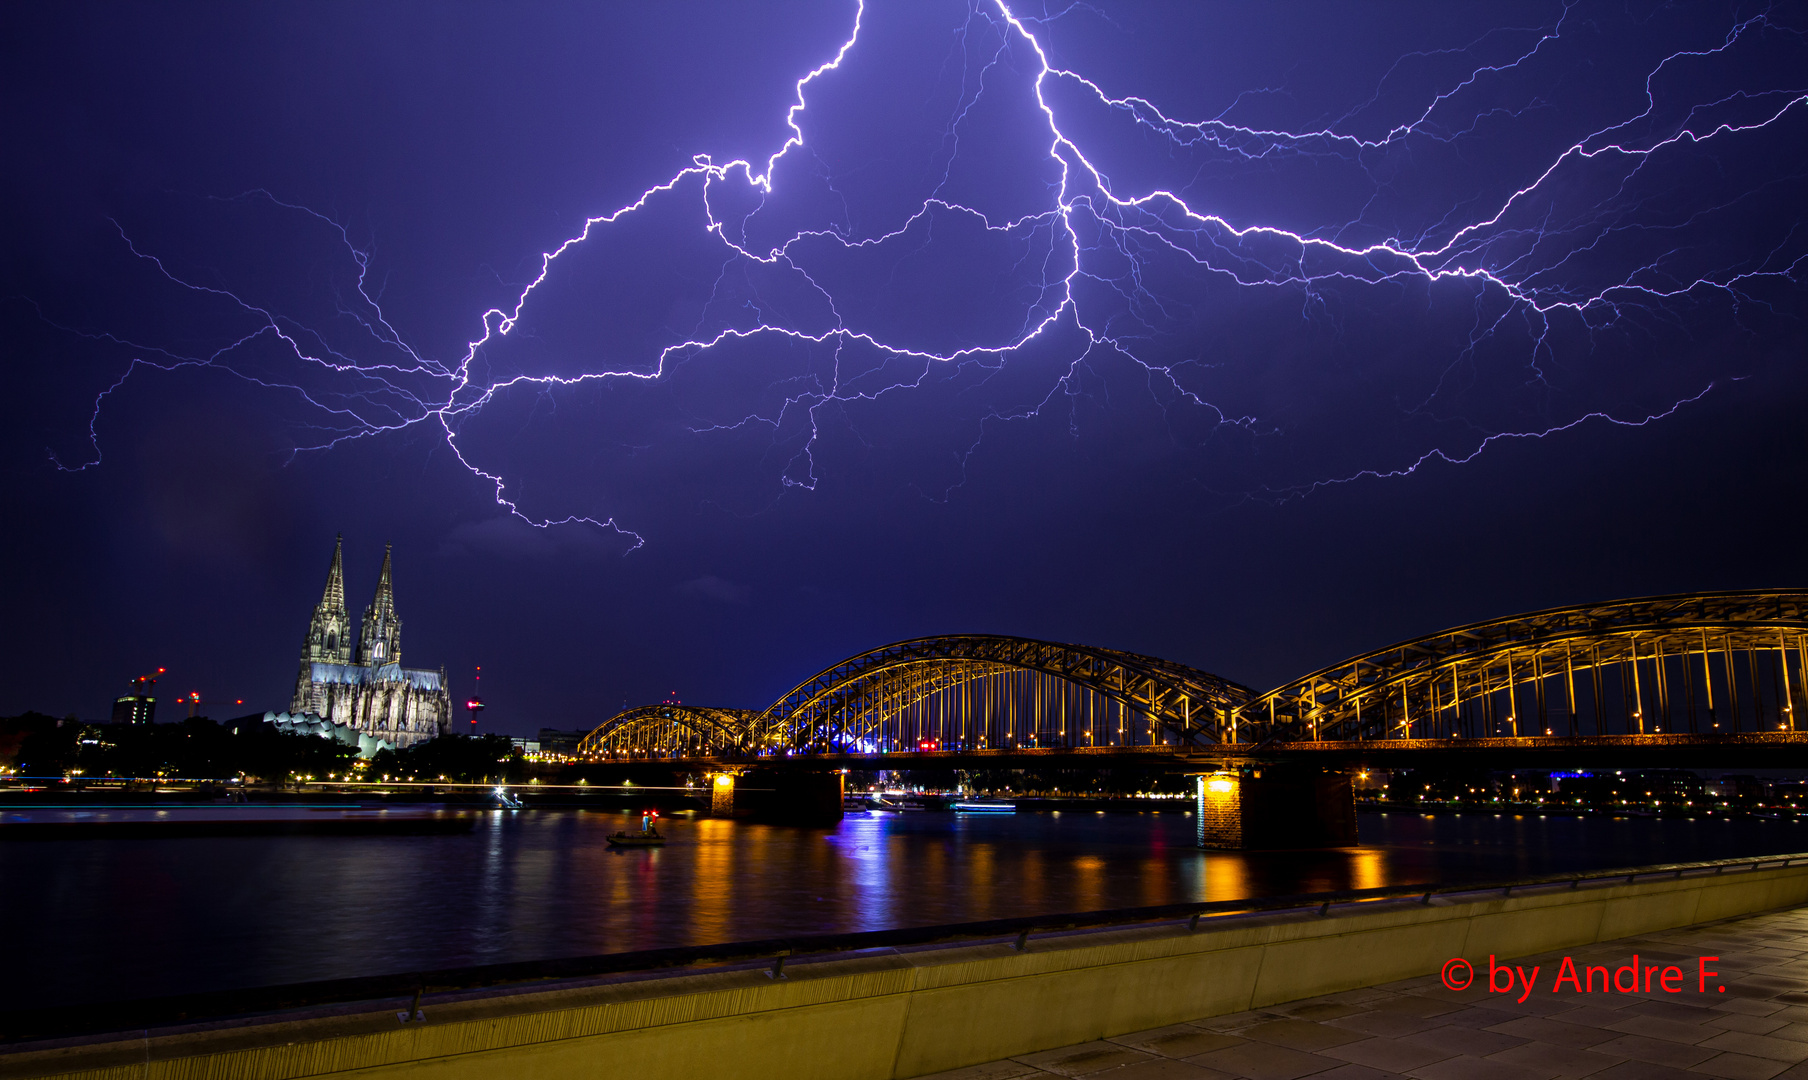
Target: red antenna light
pixel 475 705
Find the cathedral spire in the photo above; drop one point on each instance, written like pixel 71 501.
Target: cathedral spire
pixel 329 632
pixel 380 641
pixel 334 597
pixel 385 598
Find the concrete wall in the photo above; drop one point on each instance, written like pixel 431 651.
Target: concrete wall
pixel 901 1014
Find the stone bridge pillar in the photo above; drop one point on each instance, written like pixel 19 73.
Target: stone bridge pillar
pixel 721 794
pixel 1276 806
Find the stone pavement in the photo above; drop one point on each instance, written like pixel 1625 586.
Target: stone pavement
pixel 1750 1024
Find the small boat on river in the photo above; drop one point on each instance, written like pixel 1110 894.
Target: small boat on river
pixel 648 836
pixel 985 806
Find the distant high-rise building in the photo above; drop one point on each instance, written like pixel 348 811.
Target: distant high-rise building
pixel 555 741
pixel 374 693
pixel 139 706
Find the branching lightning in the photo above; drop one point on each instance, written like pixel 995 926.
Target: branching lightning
pixel 1535 257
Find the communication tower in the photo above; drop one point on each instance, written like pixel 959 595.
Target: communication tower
pixel 475 704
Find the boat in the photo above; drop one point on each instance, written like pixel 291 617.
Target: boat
pixel 855 804
pixel 649 838
pixel 985 806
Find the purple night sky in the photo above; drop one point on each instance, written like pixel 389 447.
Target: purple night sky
pixel 689 348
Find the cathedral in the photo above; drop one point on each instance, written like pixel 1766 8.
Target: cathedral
pixel 370 691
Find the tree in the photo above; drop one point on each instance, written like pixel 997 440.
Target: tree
pixel 467 759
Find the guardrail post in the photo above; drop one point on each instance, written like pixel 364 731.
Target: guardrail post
pixel 414 1012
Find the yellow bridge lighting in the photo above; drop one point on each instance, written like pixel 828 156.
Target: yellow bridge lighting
pixel 1625 671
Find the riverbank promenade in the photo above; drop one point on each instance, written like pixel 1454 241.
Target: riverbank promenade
pixel 1756 1030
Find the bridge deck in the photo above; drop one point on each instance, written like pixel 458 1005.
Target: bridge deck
pixel 1770 749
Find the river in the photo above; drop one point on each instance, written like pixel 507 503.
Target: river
pixel 102 919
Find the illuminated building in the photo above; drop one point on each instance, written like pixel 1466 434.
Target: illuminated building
pixel 555 741
pixel 367 687
pixel 139 706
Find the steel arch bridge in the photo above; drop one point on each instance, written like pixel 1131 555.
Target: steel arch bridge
pixel 989 691
pixel 1698 663
pixel 969 691
pixel 1724 664
pixel 674 731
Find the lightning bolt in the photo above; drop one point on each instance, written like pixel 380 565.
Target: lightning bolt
pixel 1538 257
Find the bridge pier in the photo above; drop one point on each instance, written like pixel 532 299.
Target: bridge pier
pixel 721 794
pixel 1270 806
pixel 782 796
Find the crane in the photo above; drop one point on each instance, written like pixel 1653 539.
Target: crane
pixel 194 701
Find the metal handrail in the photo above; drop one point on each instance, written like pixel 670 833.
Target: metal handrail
pixel 95 1019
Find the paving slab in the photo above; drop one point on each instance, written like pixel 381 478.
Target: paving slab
pixel 1082 1059
pixel 1396 1055
pixel 1735 1021
pixel 992 1070
pixel 1468 1068
pixel 1740 1067
pixel 1301 1034
pixel 1557 1060
pixel 1179 1041
pixel 1463 1040
pixel 1356 1072
pixel 1265 1061
pixel 1160 1069
pixel 1785 1050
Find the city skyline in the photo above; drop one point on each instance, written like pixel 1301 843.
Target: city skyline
pixel 1196 491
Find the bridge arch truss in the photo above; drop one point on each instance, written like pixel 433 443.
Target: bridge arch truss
pixel 1690 663
pixel 987 691
pixel 972 691
pixel 674 731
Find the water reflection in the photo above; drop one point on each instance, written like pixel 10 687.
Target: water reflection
pixel 864 846
pixel 116 918
pixel 1089 883
pixel 1225 877
pixel 1368 868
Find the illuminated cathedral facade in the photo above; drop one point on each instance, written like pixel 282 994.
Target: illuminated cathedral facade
pixel 367 687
